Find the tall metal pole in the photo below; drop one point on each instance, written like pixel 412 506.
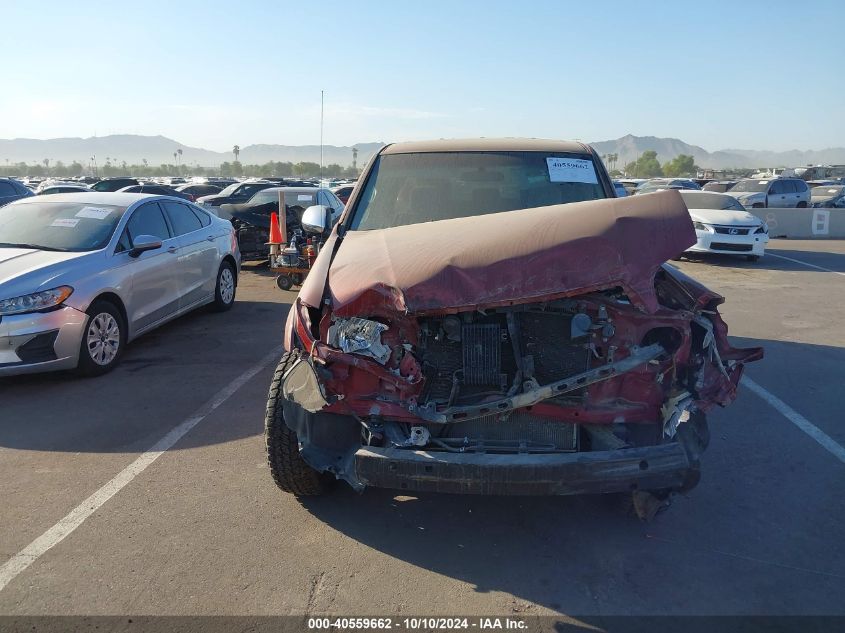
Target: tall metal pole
pixel 321 137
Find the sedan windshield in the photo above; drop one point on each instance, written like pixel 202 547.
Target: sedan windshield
pixel 751 185
pixel 702 200
pixel 58 226
pixel 412 188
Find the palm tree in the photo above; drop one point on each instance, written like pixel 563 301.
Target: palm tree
pixel 46 162
pixel 236 150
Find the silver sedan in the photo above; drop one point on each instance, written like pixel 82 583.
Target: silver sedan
pixel 83 274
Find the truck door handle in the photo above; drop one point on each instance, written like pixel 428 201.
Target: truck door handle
pixel 172 250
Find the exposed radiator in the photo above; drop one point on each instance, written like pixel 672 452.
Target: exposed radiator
pixel 482 353
pixel 546 337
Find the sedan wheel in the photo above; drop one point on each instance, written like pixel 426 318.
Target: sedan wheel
pixel 103 340
pixel 224 293
pixel 227 286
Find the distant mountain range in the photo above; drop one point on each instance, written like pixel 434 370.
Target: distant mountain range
pixel 630 147
pixel 134 149
pixel 158 149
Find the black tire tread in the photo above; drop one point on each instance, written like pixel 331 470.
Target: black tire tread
pixel 288 469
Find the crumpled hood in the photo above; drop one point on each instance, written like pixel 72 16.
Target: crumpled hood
pixel 510 257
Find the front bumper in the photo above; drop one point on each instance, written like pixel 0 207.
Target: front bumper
pixel 645 468
pixel 41 341
pixel 753 244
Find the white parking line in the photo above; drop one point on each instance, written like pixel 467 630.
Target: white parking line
pixel 798 261
pixel 28 555
pixel 797 419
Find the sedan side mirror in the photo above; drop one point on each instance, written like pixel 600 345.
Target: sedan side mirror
pixel 315 219
pixel 144 243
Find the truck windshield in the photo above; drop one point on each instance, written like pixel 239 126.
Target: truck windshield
pixel 423 187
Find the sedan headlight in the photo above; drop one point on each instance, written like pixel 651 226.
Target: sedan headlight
pixel 700 227
pixel 35 302
pixel 762 229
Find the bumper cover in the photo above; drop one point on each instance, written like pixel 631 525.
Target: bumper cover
pixel 754 244
pixel 65 325
pixel 645 468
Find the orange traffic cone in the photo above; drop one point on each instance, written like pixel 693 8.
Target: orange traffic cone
pixel 275 234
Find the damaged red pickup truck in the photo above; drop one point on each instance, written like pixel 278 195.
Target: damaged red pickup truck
pixel 488 318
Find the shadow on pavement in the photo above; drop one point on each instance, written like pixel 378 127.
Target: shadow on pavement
pixel 163 378
pixel 832 261
pixel 731 546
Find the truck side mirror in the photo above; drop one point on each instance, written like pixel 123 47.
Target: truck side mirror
pixel 315 219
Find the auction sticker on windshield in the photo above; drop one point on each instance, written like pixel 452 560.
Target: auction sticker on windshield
pixel 571 170
pixel 95 213
pixel 67 223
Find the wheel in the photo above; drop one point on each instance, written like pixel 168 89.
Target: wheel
pixel 284 282
pixel 802 205
pixel 289 470
pixel 103 340
pixel 224 291
pixel 752 258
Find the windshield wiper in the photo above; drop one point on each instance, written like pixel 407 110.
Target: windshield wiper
pixel 36 247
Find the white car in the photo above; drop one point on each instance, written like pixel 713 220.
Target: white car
pixel 722 225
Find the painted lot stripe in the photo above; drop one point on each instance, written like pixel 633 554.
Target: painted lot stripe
pixel 797 419
pixel 53 536
pixel 798 261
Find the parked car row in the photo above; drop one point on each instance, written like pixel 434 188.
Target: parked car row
pixel 751 193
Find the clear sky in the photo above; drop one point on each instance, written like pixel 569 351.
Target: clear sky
pixel 743 74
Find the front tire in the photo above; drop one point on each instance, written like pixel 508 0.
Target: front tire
pixel 224 290
pixel 290 472
pixel 103 340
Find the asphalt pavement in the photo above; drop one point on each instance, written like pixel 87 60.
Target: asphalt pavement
pixel 202 530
